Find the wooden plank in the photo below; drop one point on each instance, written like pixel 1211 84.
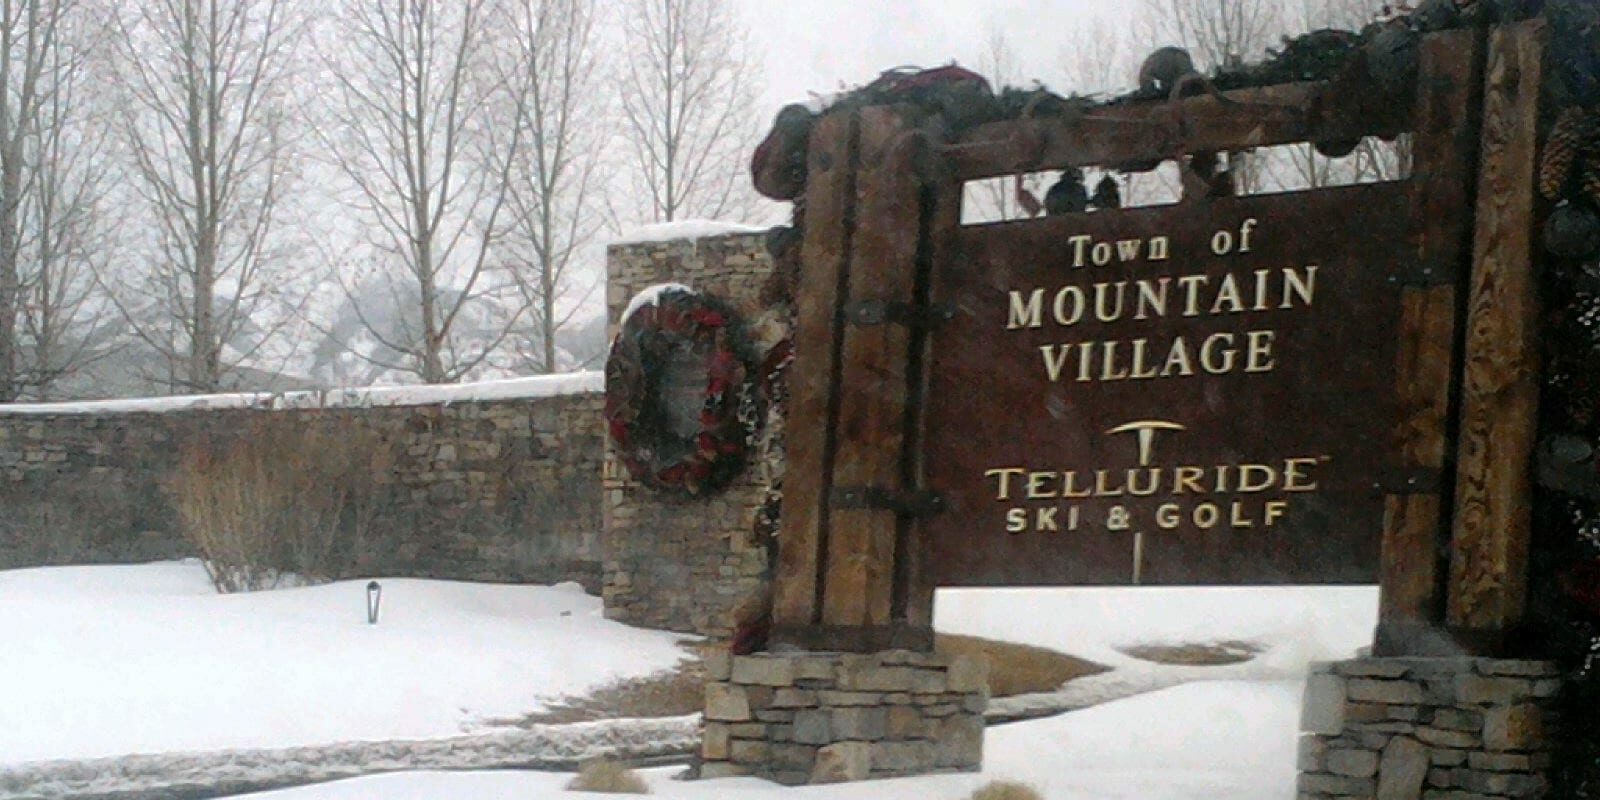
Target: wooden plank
pixel 830 198
pixel 1444 157
pixel 1272 115
pixel 916 580
pixel 1500 384
pixel 858 582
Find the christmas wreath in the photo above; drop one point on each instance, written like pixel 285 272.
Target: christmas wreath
pixel 680 405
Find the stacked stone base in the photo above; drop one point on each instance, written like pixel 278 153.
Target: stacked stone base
pixel 1428 729
pixel 829 717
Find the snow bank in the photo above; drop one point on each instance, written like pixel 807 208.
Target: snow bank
pixel 1197 742
pixel 683 229
pixel 107 661
pixel 540 747
pixel 533 388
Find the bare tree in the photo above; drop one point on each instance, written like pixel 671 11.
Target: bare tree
pixel 49 191
pixel 687 87
pixel 204 114
pixel 553 206
pixel 64 230
pixel 419 133
pixel 1218 33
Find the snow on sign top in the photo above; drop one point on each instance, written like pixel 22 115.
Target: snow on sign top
pixel 683 229
pixel 515 389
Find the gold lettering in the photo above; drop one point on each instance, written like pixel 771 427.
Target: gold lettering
pixel 1004 475
pixel 1037 488
pixel 1101 312
pixel 1054 360
pixel 1265 477
pixel 1160 248
pixel 1258 351
pixel 1152 298
pixel 1274 510
pixel 1045 520
pixel 1296 286
pixel 1080 248
pixel 1206 516
pixel 1128 249
pixel 1229 295
pixel 1101 253
pixel 1178 358
pixel 1100 487
pixel 1152 473
pixel 1070 480
pixel 1227 353
pixel 1263 277
pixel 1191 285
pixel 1074 296
pixel 1237 518
pixel 1026 314
pixel 1167 516
pixel 1141 370
pixel 1189 480
pixel 1108 363
pixel 1016 520
pixel 1294 475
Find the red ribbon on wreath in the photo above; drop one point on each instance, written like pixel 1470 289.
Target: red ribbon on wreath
pixel 654 453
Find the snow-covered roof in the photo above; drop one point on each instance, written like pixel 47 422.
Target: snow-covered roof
pixel 543 386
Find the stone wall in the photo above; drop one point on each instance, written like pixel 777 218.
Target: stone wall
pixel 828 717
pixel 672 563
pixel 501 490
pixel 1428 729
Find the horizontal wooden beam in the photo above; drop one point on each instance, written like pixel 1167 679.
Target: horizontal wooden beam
pixel 1147 131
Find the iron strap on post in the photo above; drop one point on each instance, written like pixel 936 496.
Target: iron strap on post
pixel 912 503
pixel 867 313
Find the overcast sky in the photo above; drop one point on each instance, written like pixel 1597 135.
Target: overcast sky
pixel 813 45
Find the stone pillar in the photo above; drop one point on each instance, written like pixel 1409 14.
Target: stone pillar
pixel 1428 729
pixel 689 565
pixel 802 718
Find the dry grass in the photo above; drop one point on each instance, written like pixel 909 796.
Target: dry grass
pixel 1018 668
pixel 1013 669
pixel 1006 790
pixel 671 693
pixel 1213 654
pixel 607 777
pixel 280 495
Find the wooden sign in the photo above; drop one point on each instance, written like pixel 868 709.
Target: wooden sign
pixel 1191 394
pixel 1330 386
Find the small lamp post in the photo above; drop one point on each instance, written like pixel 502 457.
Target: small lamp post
pixel 374 598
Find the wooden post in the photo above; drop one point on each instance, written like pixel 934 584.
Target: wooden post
pixel 1411 610
pixel 830 209
pixel 869 464
pixel 1500 384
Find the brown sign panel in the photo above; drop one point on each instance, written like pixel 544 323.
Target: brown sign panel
pixel 1196 394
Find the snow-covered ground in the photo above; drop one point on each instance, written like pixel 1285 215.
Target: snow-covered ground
pixel 121 660
pixel 115 660
pixel 1295 625
pixel 1202 741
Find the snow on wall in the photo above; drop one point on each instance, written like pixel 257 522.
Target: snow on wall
pixel 544 386
pixel 691 229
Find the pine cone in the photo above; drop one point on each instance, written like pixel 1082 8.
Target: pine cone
pixel 1561 151
pixel 1591 178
